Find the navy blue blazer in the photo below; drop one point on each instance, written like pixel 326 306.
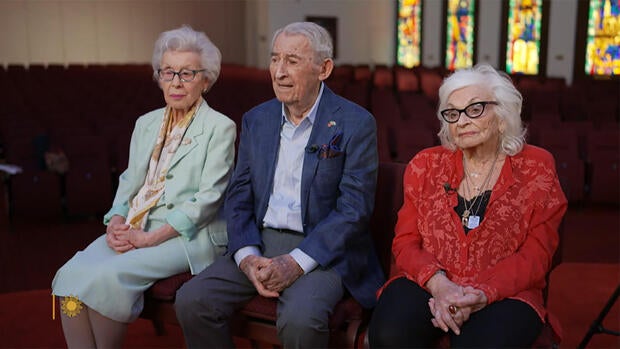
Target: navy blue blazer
pixel 337 192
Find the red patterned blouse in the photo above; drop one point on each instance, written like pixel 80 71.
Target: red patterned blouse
pixel 509 253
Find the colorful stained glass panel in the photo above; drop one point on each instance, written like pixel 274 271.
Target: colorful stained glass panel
pixel 460 34
pixel 409 27
pixel 524 32
pixel 603 40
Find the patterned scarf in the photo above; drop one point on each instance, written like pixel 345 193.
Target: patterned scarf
pixel 168 141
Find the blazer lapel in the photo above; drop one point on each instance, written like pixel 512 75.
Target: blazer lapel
pixel 269 143
pixel 321 134
pixel 190 140
pixel 263 144
pixel 150 134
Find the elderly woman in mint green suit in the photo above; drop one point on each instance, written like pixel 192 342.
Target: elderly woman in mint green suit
pixel 166 215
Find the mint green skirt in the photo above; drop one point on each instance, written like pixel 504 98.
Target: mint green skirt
pixel 113 284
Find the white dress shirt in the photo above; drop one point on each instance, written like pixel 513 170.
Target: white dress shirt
pixel 284 209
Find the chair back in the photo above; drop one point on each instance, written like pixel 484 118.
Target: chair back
pixel 388 200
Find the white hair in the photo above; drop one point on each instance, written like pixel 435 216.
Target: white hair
pixel 504 92
pixel 319 38
pixel 187 39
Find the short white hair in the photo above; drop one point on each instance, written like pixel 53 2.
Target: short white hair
pixel 319 38
pixel 189 40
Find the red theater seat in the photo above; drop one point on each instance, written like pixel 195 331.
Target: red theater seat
pixel 256 321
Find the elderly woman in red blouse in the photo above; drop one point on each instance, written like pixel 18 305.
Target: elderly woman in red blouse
pixel 478 228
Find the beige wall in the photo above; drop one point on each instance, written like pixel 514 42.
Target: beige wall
pixel 123 31
pixel 366 32
pixel 111 31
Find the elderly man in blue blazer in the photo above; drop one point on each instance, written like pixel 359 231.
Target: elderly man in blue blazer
pixel 298 206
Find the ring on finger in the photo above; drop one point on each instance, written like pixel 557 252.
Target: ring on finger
pixel 452 309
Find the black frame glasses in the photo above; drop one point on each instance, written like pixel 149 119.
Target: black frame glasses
pixel 185 75
pixel 472 111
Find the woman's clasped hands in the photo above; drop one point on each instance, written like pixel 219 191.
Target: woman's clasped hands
pixel 121 238
pixel 452 304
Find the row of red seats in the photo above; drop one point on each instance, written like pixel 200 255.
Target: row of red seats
pixel 348 322
pixel 406 122
pixel 87 187
pixel 255 322
pixel 121 91
pixel 131 84
pixel 543 98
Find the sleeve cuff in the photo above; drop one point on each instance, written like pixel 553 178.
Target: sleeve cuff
pixel 490 292
pixel 120 210
pixel 244 252
pixel 182 224
pixel 426 274
pixel 305 262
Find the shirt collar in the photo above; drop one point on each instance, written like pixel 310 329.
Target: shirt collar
pixel 312 113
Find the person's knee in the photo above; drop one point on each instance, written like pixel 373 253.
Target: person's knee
pixel 383 333
pixel 185 303
pixel 392 327
pixel 301 324
pixel 294 328
pixel 194 301
pixel 190 301
pixel 378 337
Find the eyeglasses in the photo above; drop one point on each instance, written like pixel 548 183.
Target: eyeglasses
pixel 186 75
pixel 472 111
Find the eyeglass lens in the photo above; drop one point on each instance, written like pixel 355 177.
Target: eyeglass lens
pixel 473 111
pixel 185 75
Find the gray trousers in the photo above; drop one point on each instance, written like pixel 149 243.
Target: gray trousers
pixel 206 302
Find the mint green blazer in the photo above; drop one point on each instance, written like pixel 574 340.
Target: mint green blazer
pixel 195 184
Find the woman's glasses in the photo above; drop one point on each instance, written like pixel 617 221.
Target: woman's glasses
pixel 472 111
pixel 186 75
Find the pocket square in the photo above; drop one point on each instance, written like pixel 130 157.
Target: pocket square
pixel 327 153
pixel 332 149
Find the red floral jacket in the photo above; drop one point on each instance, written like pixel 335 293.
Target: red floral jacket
pixel 509 254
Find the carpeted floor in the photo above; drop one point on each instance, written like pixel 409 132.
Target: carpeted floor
pixel 578 292
pixel 30 253
pixel 26 322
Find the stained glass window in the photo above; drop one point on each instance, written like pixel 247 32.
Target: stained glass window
pixel 460 34
pixel 524 32
pixel 409 32
pixel 603 40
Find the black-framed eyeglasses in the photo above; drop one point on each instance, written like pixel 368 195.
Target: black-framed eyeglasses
pixel 472 111
pixel 186 75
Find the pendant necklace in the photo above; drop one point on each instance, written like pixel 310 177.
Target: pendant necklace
pixel 468 219
pixel 473 174
pixel 466 216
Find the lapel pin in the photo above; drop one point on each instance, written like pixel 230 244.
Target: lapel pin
pixel 331 123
